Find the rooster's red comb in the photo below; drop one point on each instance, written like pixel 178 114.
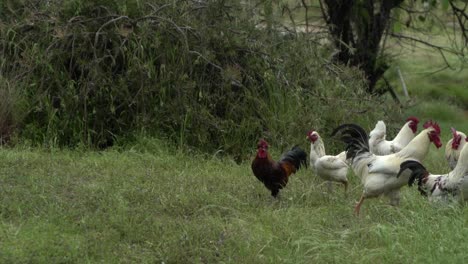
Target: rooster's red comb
pixel 432 124
pixel 262 142
pixel 310 132
pixel 413 118
pixel 454 132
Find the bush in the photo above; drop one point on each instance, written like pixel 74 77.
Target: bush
pixel 199 73
pixel 6 116
pixel 11 109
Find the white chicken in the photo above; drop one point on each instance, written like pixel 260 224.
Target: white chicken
pixel 327 167
pixel 444 186
pixel 378 174
pixel 379 146
pixel 453 147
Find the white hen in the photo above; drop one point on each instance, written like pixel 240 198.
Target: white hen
pixel 327 167
pixel 453 147
pixel 454 183
pixel 379 173
pixel 380 146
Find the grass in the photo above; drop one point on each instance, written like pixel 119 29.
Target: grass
pixel 152 204
pixel 421 68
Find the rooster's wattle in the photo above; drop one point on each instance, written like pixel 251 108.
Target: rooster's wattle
pixel 454 146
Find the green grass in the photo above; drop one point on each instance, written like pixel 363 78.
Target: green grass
pixel 421 68
pixel 168 206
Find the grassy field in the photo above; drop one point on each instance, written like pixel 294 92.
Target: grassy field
pixel 423 74
pixel 153 204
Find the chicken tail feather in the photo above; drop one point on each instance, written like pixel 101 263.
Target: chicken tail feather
pixel 355 138
pixel 296 156
pixel 381 126
pixel 418 172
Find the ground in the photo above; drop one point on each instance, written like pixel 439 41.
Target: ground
pixel 154 204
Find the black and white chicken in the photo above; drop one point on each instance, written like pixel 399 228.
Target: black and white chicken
pixel 378 174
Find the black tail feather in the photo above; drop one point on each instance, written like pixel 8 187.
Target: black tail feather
pixel 355 138
pixel 296 156
pixel 418 171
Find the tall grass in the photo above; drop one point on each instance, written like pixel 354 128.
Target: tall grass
pixel 199 74
pixel 9 101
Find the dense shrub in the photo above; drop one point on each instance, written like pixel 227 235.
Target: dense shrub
pixel 6 115
pixel 199 73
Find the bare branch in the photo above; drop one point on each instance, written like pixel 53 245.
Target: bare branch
pixel 156 10
pixel 400 36
pixel 178 28
pixel 462 18
pixel 104 25
pixel 306 15
pixel 438 70
pixel 207 60
pixel 291 18
pixel 445 60
pixel 324 15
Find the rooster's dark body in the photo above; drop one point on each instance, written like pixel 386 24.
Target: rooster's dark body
pixel 274 175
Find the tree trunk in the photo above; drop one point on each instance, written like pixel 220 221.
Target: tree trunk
pixel 357 28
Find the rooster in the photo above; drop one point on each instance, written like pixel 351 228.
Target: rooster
pixel 329 168
pixel 379 173
pixel 274 175
pixel 379 146
pixel 453 147
pixel 440 186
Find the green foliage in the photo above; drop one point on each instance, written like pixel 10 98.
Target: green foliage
pixel 445 4
pixel 10 109
pixel 6 115
pixel 200 74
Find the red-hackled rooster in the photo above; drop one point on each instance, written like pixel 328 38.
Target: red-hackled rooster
pixel 454 146
pixel 454 183
pixel 327 167
pixel 379 173
pixel 274 175
pixel 379 146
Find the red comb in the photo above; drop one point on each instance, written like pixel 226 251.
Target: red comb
pixel 413 118
pixel 454 132
pixel 310 132
pixel 432 124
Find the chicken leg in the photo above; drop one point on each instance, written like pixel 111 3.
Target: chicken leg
pixel 345 187
pixel 357 208
pixel 274 193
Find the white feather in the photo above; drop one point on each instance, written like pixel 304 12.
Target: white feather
pixel 380 146
pixel 378 173
pixel 328 167
pixel 442 186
